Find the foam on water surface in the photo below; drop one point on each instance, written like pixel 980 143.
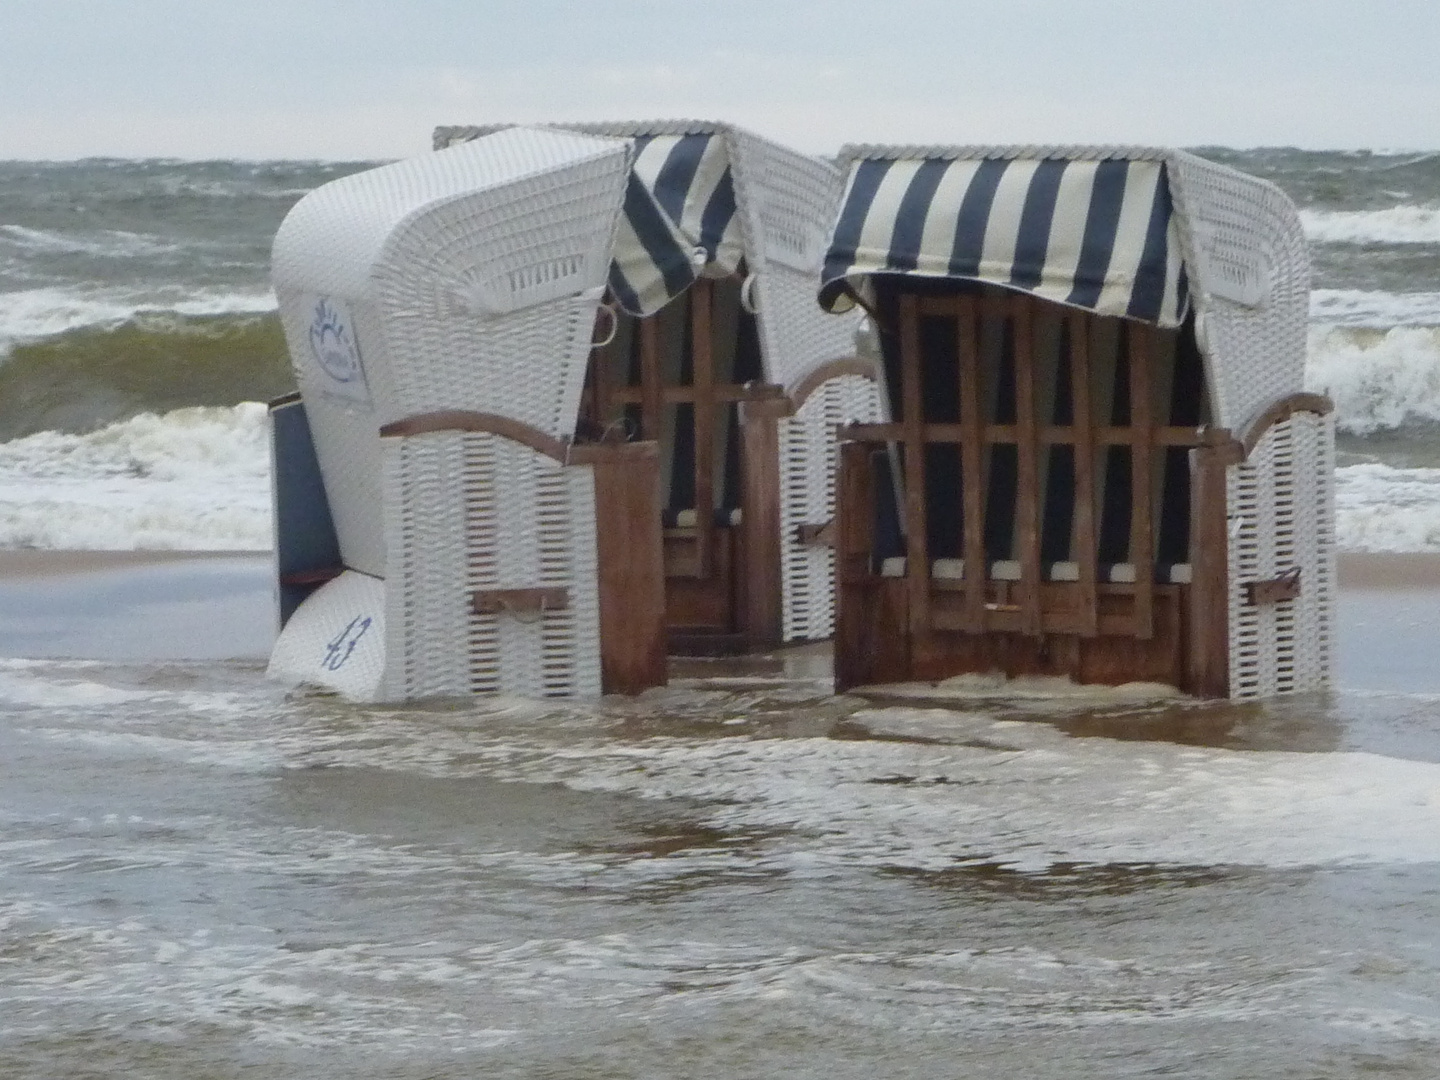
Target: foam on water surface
pixel 1392 225
pixel 193 479
pixel 516 880
pixel 33 314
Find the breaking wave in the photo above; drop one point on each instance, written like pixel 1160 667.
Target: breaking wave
pixel 1393 225
pixel 1380 379
pixel 193 479
pixel 101 372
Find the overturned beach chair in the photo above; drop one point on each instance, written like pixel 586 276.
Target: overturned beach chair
pixel 735 373
pixel 439 530
pixel 1103 463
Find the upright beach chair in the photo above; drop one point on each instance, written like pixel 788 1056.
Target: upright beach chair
pixel 1103 463
pixel 739 378
pixel 439 314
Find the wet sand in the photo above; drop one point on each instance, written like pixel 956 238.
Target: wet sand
pixel 1389 570
pixel 136 605
pixel 206 605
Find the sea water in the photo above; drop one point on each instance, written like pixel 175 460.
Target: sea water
pixel 140 288
pixel 203 875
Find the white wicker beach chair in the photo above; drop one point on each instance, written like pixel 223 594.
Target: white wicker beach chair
pixel 439 314
pixel 752 207
pixel 1056 497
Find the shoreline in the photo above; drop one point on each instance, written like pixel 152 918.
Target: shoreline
pixel 47 562
pixel 1365 571
pixel 1357 570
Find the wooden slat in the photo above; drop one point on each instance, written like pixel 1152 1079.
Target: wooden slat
pixel 1083 545
pixel 854 521
pixel 967 327
pixel 465 420
pixel 1027 510
pixel 761 618
pixel 1047 434
pixel 916 545
pixel 703 378
pixel 672 395
pixel 1143 354
pixel 631 566
pixel 1208 667
pixel 945 307
pixel 651 388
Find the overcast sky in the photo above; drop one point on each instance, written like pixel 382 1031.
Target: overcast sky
pixel 370 78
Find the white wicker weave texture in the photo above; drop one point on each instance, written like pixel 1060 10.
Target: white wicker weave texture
pixel 472 511
pixel 787 203
pixel 809 457
pixel 1279 513
pixel 1242 237
pixel 466 279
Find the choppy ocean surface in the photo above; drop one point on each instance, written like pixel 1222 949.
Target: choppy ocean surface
pixel 205 876
pixel 739 876
pixel 141 287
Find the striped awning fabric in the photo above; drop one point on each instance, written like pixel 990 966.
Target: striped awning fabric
pixel 1095 234
pixel 652 262
pixel 682 209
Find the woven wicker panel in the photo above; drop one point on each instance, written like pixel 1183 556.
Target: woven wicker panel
pixel 468 511
pixel 1237 229
pixel 336 639
pixel 798 335
pixel 426 603
pixel 787 205
pixel 522 180
pixel 809 456
pixel 469 279
pixel 531 523
pixel 1281 516
pixel 529 365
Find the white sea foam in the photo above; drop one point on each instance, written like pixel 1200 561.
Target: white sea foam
pixel 194 479
pixel 1378 379
pixel 1374 308
pixel 110 243
pixel 1394 225
pixel 1381 508
pixel 32 314
pixel 1022 795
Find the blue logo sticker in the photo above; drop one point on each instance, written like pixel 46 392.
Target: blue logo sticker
pixel 333 343
pixel 343 644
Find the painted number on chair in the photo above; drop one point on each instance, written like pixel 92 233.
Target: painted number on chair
pixel 342 645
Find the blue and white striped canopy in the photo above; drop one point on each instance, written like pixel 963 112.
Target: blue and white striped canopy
pixel 687 179
pixel 1094 234
pixel 652 261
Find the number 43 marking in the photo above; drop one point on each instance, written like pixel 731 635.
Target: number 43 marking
pixel 343 644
